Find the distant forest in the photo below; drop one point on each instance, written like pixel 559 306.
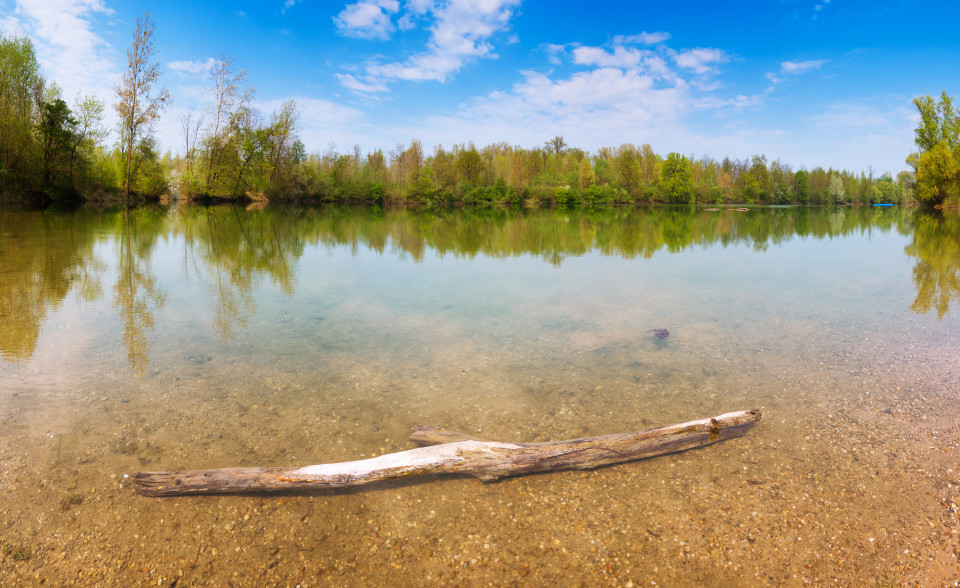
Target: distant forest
pixel 53 151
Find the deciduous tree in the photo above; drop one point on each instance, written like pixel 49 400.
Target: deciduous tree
pixel 231 97
pixel 138 105
pixel 676 179
pixel 937 164
pixel 58 139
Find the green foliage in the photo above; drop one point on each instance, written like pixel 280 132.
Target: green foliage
pixel 676 177
pixel 938 174
pixel 748 188
pixel 629 172
pixel 149 176
pixel 21 89
pixel 888 191
pixel 801 183
pixel 137 104
pixel 422 189
pixel 836 189
pixel 17 552
pixel 937 165
pixel 247 157
pixel 47 149
pixel 469 165
pixel 585 174
pixel 376 192
pixel 761 176
pixel 60 140
pixel 599 194
pixel 936 274
pixel 939 122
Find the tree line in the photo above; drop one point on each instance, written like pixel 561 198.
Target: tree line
pixel 231 150
pixel 555 174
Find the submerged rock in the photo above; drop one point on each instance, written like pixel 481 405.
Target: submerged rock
pixel 660 333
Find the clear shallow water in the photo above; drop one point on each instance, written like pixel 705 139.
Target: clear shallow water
pixel 193 337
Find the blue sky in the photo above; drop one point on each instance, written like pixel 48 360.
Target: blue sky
pixel 809 82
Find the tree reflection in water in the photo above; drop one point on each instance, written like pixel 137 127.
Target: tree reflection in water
pixel 232 251
pixel 936 275
pixel 42 256
pixel 136 293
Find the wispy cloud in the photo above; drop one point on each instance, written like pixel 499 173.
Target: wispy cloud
pixel 555 52
pixel 869 131
pixel 289 4
pixel 192 68
pixel 850 115
pixel 700 60
pixel 643 38
pixel 793 68
pixel 798 67
pixel 350 82
pixel 620 57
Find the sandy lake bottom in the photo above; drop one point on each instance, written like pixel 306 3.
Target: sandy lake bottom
pixel 852 478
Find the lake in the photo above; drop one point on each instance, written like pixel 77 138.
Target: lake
pixel 202 337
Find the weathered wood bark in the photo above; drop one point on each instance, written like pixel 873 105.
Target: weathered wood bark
pixel 455 453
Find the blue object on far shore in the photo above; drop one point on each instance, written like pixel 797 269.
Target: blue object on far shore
pixel 881 204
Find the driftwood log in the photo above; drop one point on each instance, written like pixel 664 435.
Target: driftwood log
pixel 448 452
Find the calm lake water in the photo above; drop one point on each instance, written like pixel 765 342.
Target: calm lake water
pixel 190 337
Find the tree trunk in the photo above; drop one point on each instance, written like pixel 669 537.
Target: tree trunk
pixel 455 453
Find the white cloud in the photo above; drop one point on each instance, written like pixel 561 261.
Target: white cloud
pixel 788 68
pixel 622 94
pixel 367 19
pixel 607 89
pixel 621 56
pixel 460 32
pixel 70 52
pixel 643 38
pixel 352 83
pixel 716 102
pixel 700 60
pixel 555 53
pixel 192 68
pixel 604 106
pixel 799 67
pixel 9 25
pixel 643 60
